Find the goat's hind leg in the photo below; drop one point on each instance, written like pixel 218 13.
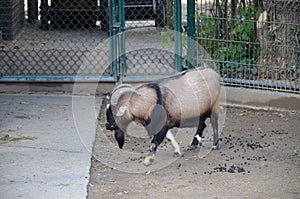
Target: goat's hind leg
pixel 171 139
pixel 214 122
pixel 198 136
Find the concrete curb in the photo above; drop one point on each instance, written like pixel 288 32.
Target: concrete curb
pixel 260 99
pixel 239 97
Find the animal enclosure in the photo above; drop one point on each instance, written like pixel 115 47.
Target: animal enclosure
pixel 251 43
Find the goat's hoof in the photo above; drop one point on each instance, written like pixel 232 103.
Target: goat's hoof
pixel 216 147
pixel 149 160
pixel 192 147
pixel 177 154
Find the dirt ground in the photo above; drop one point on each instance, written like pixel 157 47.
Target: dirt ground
pixel 259 158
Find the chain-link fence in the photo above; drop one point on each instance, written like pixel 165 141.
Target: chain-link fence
pixel 146 56
pixel 53 55
pixel 58 41
pixel 69 40
pixel 252 43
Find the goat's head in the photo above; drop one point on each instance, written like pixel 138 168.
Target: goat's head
pixel 111 125
pixel 117 116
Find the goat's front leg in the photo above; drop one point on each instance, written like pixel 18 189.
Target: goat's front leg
pixel 156 141
pixel 171 139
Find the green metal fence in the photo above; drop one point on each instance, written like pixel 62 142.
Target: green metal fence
pixel 251 43
pixel 83 40
pixel 137 51
pixel 59 41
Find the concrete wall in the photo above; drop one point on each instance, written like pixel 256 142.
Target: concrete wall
pixel 11 18
pixel 230 96
pixel 260 99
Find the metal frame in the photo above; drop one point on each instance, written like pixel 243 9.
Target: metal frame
pixel 191 33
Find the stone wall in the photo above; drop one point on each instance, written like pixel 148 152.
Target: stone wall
pixel 11 18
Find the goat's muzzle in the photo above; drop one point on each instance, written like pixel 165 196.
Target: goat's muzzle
pixel 111 126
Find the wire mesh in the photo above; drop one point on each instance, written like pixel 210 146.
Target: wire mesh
pixel 36 52
pixel 145 53
pixel 58 41
pixel 253 43
pixel 70 38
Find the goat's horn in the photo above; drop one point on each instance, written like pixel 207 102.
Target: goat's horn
pixel 117 92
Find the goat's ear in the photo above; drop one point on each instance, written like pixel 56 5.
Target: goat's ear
pixel 122 111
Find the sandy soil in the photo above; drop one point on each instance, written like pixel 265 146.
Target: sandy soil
pixel 259 158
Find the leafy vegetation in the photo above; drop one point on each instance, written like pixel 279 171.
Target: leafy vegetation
pixel 249 39
pixel 236 49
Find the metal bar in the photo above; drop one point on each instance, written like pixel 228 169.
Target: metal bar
pixel 269 44
pixel 138 6
pixel 154 6
pixel 295 88
pixel 23 78
pixel 262 84
pixel 44 15
pixel 143 78
pixel 191 32
pixel 75 9
pixel 113 41
pixel 122 46
pixel 32 11
pixel 178 38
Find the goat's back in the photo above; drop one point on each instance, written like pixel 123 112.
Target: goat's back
pixel 191 93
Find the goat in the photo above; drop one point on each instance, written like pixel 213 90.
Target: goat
pixel 182 100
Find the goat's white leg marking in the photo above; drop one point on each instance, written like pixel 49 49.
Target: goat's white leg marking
pixel 175 145
pixel 198 138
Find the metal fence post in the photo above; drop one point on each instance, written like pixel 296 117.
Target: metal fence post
pixel 32 11
pixel 191 33
pixel 122 47
pixel 178 38
pixel 112 33
pixel 44 15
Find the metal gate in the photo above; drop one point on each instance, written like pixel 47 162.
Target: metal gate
pixel 62 41
pixel 137 51
pixel 57 41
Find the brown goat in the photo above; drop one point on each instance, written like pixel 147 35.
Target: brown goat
pixel 182 100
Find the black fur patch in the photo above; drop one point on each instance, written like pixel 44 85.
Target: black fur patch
pixel 205 115
pixel 110 120
pixel 157 89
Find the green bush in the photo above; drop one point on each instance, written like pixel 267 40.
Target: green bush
pixel 236 49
